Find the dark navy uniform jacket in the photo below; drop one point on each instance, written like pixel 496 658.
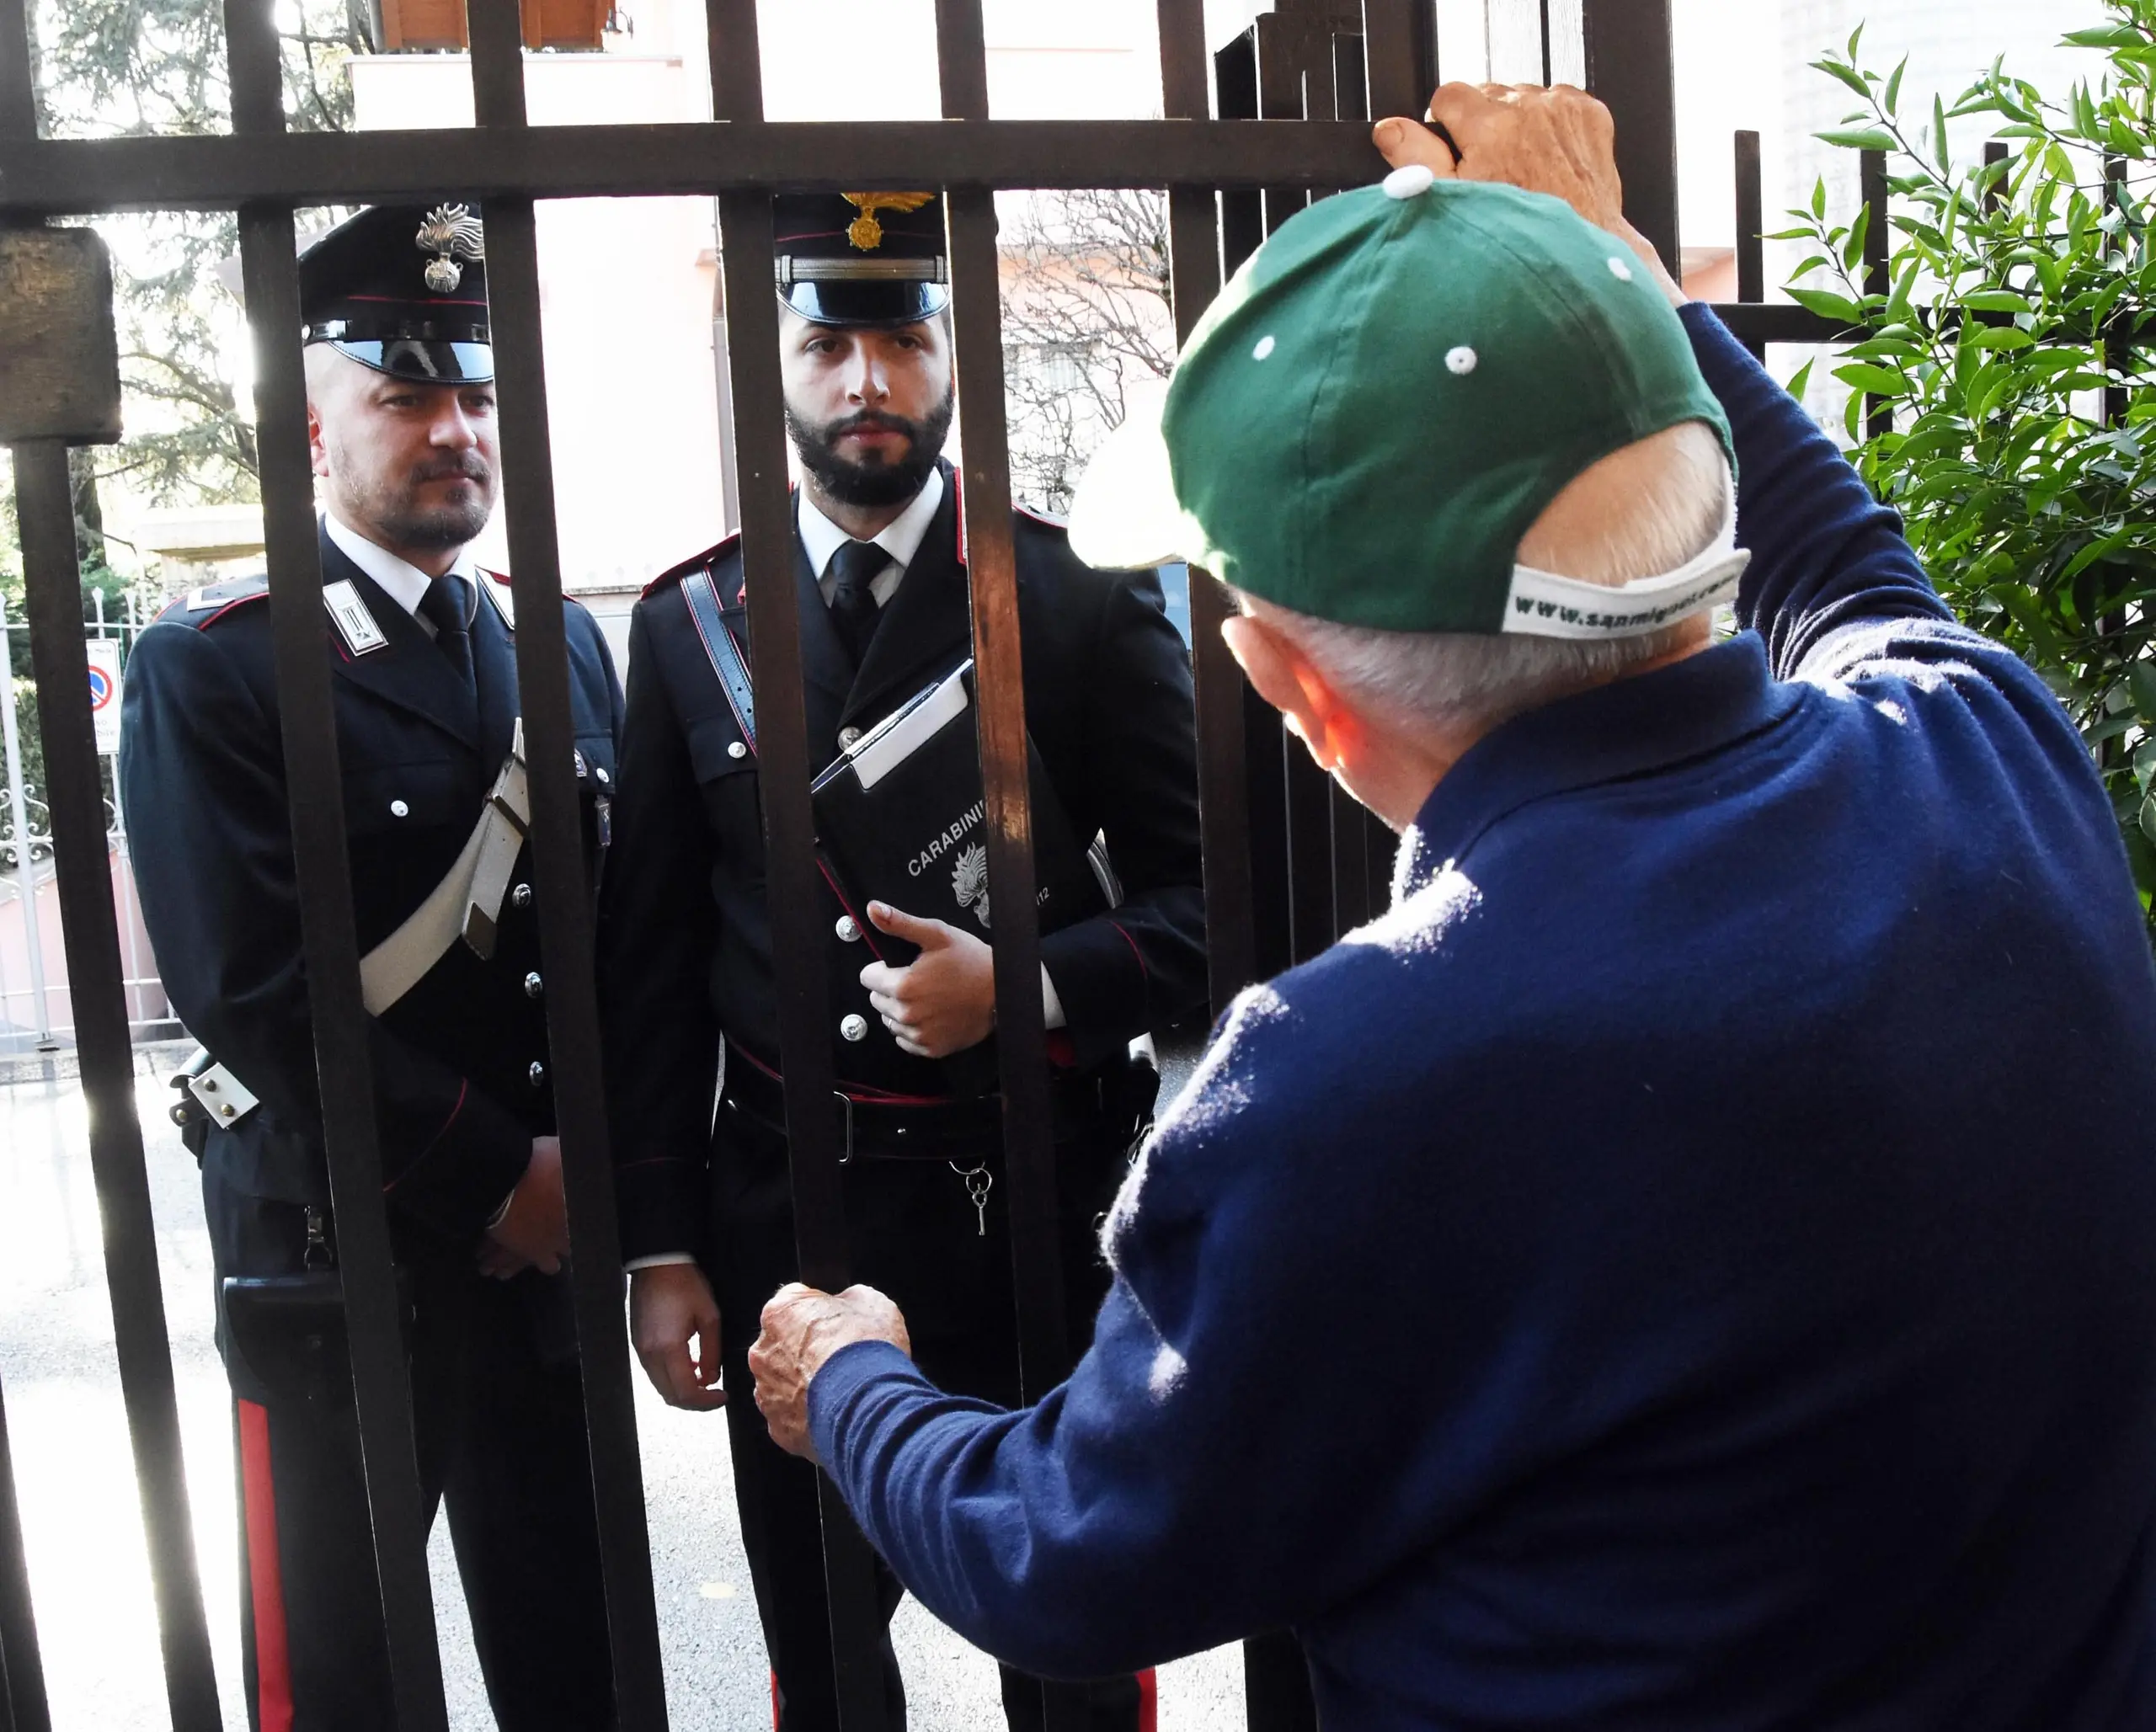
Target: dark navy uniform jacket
pixel 686 947
pixel 460 1087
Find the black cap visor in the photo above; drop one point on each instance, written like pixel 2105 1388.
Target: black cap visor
pixel 887 303
pixel 425 361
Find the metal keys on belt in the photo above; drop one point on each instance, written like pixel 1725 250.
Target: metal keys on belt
pixel 979 1181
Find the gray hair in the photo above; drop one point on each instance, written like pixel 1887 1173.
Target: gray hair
pixel 1674 489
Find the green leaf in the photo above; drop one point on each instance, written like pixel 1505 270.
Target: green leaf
pixel 1853 249
pixel 1995 301
pixel 1828 304
pixel 1939 134
pixel 1848 75
pixel 1894 85
pixel 1800 381
pixel 2106 36
pixel 1859 138
pixel 2148 818
pixel 2141 684
pixel 1819 198
pixel 1878 381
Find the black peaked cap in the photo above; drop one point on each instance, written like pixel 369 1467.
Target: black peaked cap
pixel 861 259
pixel 402 288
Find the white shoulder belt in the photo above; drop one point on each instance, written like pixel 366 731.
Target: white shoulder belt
pixel 466 904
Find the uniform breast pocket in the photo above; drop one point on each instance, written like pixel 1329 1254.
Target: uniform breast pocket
pixel 726 773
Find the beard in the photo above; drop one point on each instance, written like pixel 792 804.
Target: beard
pixel 877 482
pixel 392 508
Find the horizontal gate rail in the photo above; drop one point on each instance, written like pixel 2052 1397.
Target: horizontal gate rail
pixel 68 177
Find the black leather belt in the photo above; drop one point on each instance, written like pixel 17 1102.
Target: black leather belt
pixel 904 1128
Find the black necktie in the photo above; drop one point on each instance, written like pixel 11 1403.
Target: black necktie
pixel 444 605
pixel 853 602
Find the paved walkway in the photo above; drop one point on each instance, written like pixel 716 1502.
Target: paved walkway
pixel 82 1524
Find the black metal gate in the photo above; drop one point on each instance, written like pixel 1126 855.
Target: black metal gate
pixel 1289 863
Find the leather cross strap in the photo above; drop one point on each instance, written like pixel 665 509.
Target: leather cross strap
pixel 702 597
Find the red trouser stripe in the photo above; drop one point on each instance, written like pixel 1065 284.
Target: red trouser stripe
pixel 1149 1707
pixel 273 1665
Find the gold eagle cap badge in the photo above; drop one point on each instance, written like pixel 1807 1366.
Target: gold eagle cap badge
pixel 450 233
pixel 864 231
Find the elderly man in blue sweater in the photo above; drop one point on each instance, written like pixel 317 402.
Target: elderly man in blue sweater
pixel 1692 1262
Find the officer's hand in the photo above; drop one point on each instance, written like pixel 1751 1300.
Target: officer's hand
pixel 670 1306
pixel 535 1228
pixel 1560 142
pixel 803 1328
pixel 944 1001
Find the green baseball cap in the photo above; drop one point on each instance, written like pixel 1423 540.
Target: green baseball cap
pixel 1386 396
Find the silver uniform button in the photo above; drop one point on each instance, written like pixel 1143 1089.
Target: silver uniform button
pixel 397 808
pixel 600 770
pixel 847 736
pixel 854 1027
pixel 533 985
pixel 736 749
pixel 521 896
pixel 847 930
pixel 538 1073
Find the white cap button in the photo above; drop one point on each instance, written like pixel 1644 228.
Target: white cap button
pixel 1411 180
pixel 737 749
pixel 1461 360
pixel 1619 269
pixel 1266 345
pixel 854 1027
pixel 397 808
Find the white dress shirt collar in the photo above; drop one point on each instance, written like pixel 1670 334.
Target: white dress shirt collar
pixel 900 538
pixel 403 584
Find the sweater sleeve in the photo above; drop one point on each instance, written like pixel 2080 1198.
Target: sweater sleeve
pixel 1188 1483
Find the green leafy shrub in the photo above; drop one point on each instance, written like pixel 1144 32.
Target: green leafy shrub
pixel 2007 343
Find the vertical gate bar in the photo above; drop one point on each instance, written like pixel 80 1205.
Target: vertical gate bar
pixel 812 1105
pixel 1630 67
pixel 329 943
pixel 1350 866
pixel 565 911
pixel 44 512
pixel 2116 353
pixel 18 76
pixel 22 1707
pixel 495 30
pixel 1751 230
pixel 1279 97
pixel 299 627
pixel 1223 795
pixel 991 574
pixel 1400 55
pixel 1313 921
pixel 1879 413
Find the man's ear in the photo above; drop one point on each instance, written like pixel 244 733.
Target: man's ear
pixel 1286 680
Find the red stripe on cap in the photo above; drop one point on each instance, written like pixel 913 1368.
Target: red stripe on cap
pixel 1148 1704
pixel 266 1575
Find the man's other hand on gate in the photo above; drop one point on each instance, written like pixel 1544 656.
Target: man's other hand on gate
pixel 944 1001
pixel 533 1230
pixel 674 1324
pixel 803 1328
pixel 1560 142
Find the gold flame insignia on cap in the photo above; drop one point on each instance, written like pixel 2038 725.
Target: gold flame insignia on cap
pixel 864 231
pixel 450 233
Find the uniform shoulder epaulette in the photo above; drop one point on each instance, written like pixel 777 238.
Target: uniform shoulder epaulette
pixel 205 605
pixel 702 562
pixel 1046 520
pixel 496 587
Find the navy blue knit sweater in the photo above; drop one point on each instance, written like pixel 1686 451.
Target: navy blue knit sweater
pixel 1692 1263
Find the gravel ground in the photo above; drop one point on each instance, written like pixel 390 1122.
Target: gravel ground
pixel 81 1525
